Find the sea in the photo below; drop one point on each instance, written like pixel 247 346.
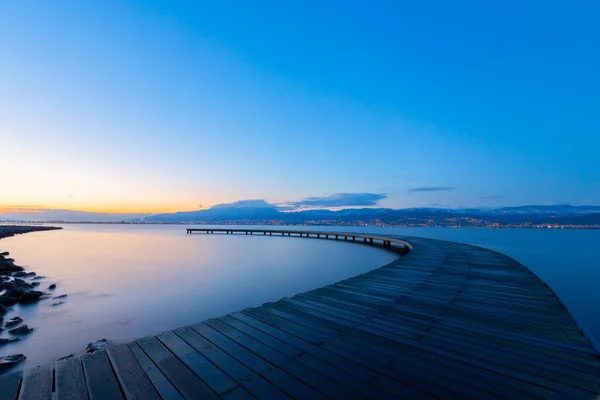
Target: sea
pixel 123 282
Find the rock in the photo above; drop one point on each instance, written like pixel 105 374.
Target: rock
pixel 57 303
pixel 6 268
pixel 35 284
pixel 4 341
pixel 6 301
pixel 22 330
pixel 29 297
pixel 2 309
pixel 19 274
pixel 62 296
pixel 52 287
pixel 37 278
pixel 10 360
pixel 96 346
pixel 4 254
pixel 30 274
pixel 13 321
pixel 66 357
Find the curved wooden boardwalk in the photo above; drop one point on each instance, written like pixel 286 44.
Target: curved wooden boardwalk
pixel 447 321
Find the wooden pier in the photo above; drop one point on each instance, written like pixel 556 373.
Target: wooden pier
pixel 446 321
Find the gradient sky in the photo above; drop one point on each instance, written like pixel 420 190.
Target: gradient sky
pixel 165 105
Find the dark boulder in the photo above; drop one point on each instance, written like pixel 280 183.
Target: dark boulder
pixel 58 303
pixel 4 254
pixel 13 321
pixel 22 330
pixel 30 296
pixel 6 268
pixel 2 309
pixel 62 296
pixel 96 346
pixel 30 274
pixel 52 287
pixel 35 284
pixel 19 274
pixel 6 301
pixel 10 360
pixel 37 278
pixel 4 341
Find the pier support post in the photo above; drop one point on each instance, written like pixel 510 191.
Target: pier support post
pixel 371 240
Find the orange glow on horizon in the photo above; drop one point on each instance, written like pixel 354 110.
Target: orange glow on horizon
pixel 98 209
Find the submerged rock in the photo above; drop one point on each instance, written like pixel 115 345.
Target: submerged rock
pixel 96 346
pixel 4 341
pixel 13 321
pixel 66 357
pixel 4 254
pixel 30 274
pixel 37 278
pixel 52 287
pixel 19 274
pixel 2 309
pixel 35 284
pixel 58 303
pixel 10 360
pixel 22 330
pixel 62 296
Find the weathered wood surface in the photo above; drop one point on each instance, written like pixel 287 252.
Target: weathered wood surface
pixel 447 321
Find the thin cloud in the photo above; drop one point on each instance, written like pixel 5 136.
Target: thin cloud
pixel 431 189
pixel 340 200
pixel 498 196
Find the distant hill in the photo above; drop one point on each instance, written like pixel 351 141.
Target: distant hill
pixel 261 212
pixel 265 213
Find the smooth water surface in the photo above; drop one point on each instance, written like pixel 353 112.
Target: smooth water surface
pixel 128 281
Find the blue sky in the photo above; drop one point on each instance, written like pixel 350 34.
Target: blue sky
pixel 162 106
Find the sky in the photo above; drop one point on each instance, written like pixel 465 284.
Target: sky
pixel 160 106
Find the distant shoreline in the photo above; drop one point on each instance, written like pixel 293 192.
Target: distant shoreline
pixel 12 230
pixel 276 223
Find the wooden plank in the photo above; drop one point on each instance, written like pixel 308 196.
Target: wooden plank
pixel 188 384
pixel 322 362
pixel 282 380
pixel 251 381
pixel 10 385
pixel 321 383
pixel 239 393
pixel 101 381
pixel 214 377
pixel 37 384
pixel 70 380
pixel 162 385
pixel 132 378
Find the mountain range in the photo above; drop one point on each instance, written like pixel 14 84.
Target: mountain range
pixel 261 212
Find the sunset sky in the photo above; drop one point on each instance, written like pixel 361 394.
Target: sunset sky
pixel 161 106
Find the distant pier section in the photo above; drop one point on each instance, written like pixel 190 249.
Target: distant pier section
pixel 391 243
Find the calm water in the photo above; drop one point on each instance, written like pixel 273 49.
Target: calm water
pixel 126 281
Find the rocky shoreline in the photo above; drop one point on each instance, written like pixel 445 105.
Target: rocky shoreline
pixel 17 286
